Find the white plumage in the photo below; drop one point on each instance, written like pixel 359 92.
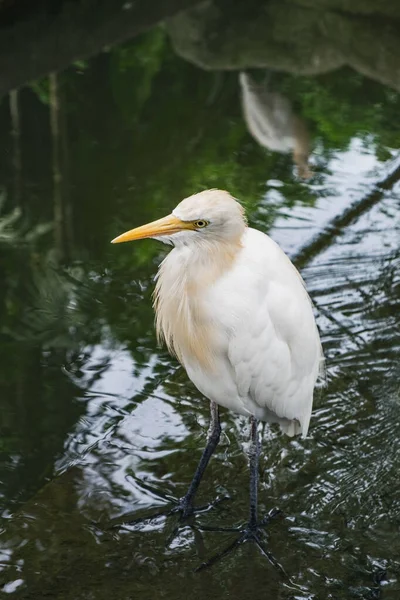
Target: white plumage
pixel 265 348
pixel 234 309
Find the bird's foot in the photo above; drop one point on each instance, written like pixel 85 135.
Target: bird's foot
pixel 183 510
pixel 251 532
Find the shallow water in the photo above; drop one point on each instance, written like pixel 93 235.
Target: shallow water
pixel 97 422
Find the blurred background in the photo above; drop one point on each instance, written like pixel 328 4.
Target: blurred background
pixel 111 112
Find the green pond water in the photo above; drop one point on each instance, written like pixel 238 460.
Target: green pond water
pixel 96 420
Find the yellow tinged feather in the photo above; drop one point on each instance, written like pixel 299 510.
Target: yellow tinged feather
pixel 180 318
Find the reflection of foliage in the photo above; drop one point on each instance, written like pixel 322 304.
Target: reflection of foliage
pixel 132 70
pixel 42 89
pixel 81 65
pixel 50 318
pixel 344 104
pixel 11 230
pixel 8 232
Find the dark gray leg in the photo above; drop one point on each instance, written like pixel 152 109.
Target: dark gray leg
pixel 252 531
pixel 254 454
pixel 213 436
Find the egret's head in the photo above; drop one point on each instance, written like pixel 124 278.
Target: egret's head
pixel 212 215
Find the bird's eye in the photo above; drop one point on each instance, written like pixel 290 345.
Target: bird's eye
pixel 200 224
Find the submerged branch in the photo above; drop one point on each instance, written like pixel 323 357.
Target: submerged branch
pixel 324 240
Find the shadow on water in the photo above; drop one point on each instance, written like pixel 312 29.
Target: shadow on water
pixel 95 420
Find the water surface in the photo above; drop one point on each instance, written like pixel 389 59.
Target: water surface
pixel 97 421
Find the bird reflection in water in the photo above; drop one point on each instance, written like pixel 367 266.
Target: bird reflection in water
pixel 273 124
pixel 233 309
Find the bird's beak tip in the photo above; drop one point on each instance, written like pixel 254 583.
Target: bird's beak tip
pixel 116 240
pixel 124 237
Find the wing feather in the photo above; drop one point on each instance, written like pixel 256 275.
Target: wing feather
pixel 274 349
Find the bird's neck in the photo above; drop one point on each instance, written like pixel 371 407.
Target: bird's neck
pixel 183 280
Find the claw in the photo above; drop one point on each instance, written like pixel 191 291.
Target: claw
pixel 270 557
pixel 249 533
pixel 217 557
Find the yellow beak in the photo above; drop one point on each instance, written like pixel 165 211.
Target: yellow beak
pixel 165 226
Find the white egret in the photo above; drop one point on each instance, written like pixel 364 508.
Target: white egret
pixel 234 310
